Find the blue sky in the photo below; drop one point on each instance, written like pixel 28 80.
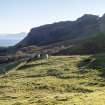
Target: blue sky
pixel 21 15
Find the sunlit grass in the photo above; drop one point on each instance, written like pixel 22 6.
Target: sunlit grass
pixel 56 81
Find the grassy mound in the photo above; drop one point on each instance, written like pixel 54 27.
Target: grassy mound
pixel 60 80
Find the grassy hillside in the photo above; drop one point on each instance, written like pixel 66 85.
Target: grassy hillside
pixel 91 45
pixel 95 43
pixel 60 80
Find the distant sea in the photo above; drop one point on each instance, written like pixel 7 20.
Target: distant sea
pixel 11 39
pixel 8 42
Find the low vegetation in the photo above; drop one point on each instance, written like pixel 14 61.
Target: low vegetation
pixel 60 80
pixel 92 45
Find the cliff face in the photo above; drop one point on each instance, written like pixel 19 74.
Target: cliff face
pixel 102 24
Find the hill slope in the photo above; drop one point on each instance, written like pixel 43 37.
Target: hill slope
pixel 60 32
pixel 83 36
pixel 90 45
pixel 57 81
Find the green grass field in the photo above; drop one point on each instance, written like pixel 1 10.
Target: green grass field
pixel 60 80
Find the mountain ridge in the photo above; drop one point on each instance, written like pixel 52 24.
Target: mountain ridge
pixel 64 33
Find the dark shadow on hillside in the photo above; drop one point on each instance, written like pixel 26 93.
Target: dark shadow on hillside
pixel 94 62
pixel 30 65
pixel 7 67
pixel 36 76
